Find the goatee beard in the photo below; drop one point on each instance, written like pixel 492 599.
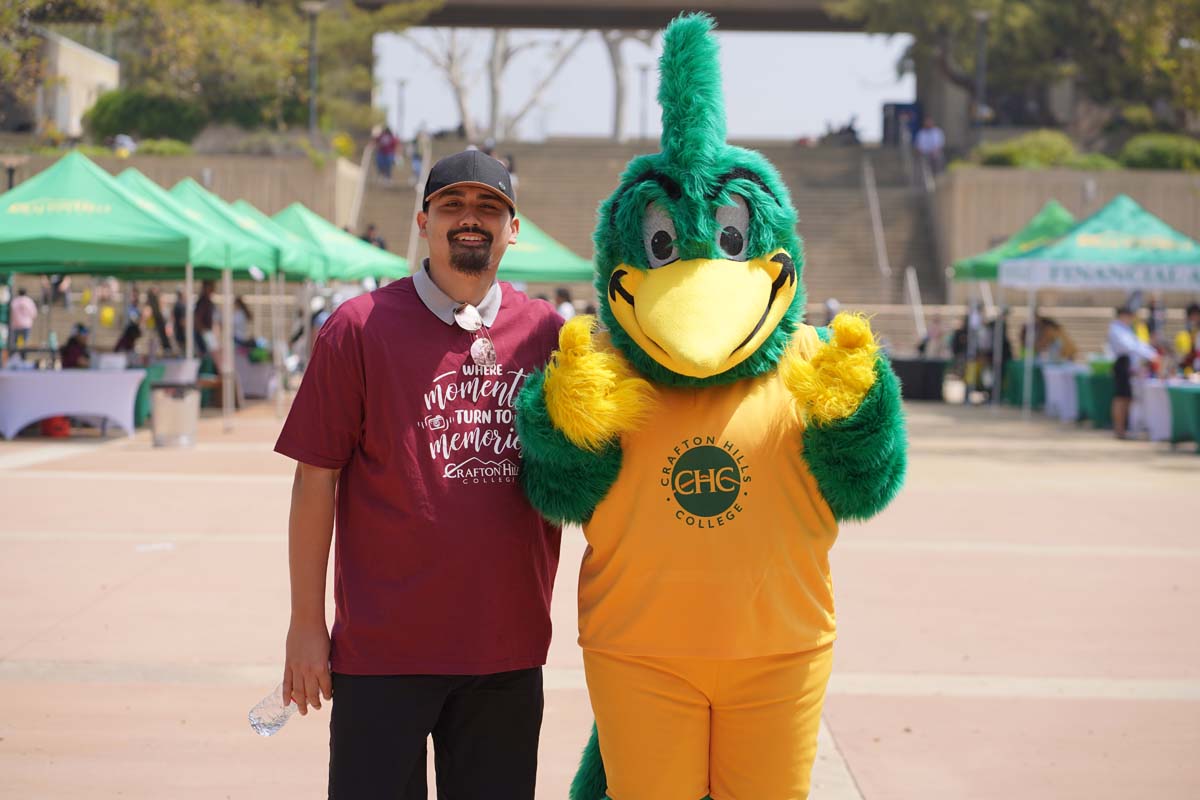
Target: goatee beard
pixel 470 262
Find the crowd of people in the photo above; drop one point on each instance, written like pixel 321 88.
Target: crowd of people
pixel 1138 342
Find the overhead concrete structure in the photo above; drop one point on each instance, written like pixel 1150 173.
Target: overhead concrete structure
pixel 731 15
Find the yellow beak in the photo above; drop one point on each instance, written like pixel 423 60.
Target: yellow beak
pixel 703 317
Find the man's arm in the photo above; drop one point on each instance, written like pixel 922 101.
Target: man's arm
pixel 310 531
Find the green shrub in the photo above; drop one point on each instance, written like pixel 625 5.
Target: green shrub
pixel 1161 151
pixel 1138 117
pixel 1093 162
pixel 144 116
pixel 1044 148
pixel 163 147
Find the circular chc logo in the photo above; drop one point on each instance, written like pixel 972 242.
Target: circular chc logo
pixel 706 481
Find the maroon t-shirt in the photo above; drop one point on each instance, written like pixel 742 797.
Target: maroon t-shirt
pixel 441 565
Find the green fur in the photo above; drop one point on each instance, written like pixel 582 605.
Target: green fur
pixel 590 782
pixel 689 92
pixel 563 482
pixel 859 462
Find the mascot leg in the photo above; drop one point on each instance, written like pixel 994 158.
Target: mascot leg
pixel 653 724
pixel 765 718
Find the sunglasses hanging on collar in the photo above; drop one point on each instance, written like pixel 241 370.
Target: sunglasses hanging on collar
pixel 483 350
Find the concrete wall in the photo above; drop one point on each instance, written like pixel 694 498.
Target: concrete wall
pixel 76 77
pixel 270 184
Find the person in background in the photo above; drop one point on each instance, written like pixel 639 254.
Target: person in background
pixel 1187 341
pixel 204 317
pixel 1053 343
pixel 129 338
pixel 156 319
pixel 1129 351
pixel 23 311
pixel 371 236
pixel 563 304
pixel 74 354
pixel 179 320
pixel 931 144
pixel 241 323
pixel 385 152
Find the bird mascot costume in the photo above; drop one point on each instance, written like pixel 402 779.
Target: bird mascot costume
pixel 709 442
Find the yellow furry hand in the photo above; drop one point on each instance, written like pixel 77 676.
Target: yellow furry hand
pixel 592 395
pixel 831 384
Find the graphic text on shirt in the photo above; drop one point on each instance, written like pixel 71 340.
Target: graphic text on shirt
pixel 709 480
pixel 474 445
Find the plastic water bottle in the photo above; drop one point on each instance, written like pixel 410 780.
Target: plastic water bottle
pixel 270 714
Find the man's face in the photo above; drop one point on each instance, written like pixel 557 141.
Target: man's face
pixel 469 228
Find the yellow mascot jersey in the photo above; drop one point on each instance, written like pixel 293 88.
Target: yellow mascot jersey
pixel 714 540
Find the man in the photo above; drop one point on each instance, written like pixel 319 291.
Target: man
pixel 931 144
pixel 23 312
pixel 403 432
pixel 1129 351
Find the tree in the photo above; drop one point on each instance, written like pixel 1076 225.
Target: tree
pixel 613 39
pixel 1116 52
pixel 22 66
pixel 447 52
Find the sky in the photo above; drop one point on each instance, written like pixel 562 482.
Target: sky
pixel 777 85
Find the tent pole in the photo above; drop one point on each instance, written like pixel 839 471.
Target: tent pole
pixel 1027 401
pixel 997 361
pixel 189 314
pixel 277 341
pixel 306 322
pixel 258 288
pixel 227 377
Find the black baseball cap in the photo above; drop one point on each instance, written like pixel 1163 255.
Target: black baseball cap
pixel 470 168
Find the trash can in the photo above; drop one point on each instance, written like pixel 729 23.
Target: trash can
pixel 175 412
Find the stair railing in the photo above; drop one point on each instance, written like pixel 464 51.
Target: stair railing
pixel 872 193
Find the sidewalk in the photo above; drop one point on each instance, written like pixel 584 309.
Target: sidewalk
pixel 1021 623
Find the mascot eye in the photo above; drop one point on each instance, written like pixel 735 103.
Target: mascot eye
pixel 658 236
pixel 733 224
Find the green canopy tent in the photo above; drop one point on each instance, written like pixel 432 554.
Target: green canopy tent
pixel 536 257
pixel 313 265
pixel 1049 225
pixel 249 253
pixel 350 258
pixel 73 217
pixel 230 252
pixel 1121 246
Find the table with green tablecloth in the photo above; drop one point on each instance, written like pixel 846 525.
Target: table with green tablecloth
pixel 1014 384
pixel 141 404
pixel 1095 398
pixel 1185 413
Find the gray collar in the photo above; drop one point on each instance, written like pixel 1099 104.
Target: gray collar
pixel 443 306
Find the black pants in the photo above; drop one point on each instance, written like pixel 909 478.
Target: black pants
pixel 485 735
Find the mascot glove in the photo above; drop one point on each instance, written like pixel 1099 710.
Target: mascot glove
pixel 831 385
pixel 592 396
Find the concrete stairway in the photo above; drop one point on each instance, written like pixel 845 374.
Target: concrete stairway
pixel 562 183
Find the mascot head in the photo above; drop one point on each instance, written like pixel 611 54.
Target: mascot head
pixel 698 261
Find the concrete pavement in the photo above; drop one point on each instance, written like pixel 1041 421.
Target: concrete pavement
pixel 1022 622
